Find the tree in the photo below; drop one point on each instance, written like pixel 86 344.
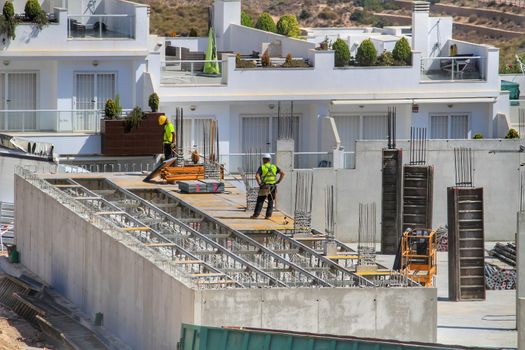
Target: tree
pixel 246 19
pixel 366 53
pixel 289 26
pixel 266 23
pixel 305 14
pixel 8 21
pixel 342 53
pixel 402 51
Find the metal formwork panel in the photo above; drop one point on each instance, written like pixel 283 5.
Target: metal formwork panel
pixel 391 200
pixel 418 196
pixel 466 255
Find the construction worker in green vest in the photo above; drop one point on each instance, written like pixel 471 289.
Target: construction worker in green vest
pixel 267 179
pixel 168 138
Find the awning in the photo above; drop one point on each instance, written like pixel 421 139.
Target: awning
pixel 414 101
pixel 368 102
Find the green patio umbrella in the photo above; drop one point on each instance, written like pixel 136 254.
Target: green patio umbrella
pixel 211 55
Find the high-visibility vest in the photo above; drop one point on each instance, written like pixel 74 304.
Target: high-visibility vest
pixel 269 174
pixel 169 129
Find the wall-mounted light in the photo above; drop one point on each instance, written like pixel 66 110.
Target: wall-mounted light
pixel 94 63
pixel 6 63
pixel 361 106
pixel 271 106
pixel 193 108
pixel 450 106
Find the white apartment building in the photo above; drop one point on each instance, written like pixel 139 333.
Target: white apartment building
pixel 53 81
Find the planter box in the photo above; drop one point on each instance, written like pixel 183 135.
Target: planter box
pixel 144 140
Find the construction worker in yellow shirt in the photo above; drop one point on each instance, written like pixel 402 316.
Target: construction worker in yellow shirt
pixel 168 138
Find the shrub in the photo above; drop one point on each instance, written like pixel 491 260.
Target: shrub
pixel 134 118
pixel 118 106
pixel 8 10
pixel 34 13
pixel 295 64
pixel 402 51
pixel 366 53
pixel 240 63
pixel 386 59
pixel 472 18
pixel 153 102
pixel 8 21
pixel 342 53
pixel 289 26
pixel 193 33
pixel 266 23
pixel 265 59
pixel 110 109
pixel 512 134
pixel 477 137
pixel 305 14
pixel 328 14
pixel 246 19
pixel 288 59
pixel 372 5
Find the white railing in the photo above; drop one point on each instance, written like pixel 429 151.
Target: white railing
pixel 192 72
pixel 84 121
pixel 309 160
pixel 515 107
pixel 349 160
pixel 116 26
pixel 457 68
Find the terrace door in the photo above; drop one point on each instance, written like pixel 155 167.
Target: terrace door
pixel 92 92
pixel 18 94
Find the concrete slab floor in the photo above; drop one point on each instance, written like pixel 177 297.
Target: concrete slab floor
pixel 489 323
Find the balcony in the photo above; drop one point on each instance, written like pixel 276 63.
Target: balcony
pixel 50 121
pixel 191 72
pixel 458 68
pixel 116 26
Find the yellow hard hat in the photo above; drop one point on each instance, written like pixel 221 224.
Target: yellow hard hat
pixel 162 119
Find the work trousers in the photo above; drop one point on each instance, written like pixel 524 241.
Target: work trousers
pixel 168 153
pixel 260 203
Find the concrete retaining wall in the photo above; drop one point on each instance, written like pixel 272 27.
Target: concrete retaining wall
pixel 142 304
pixel 498 173
pixel 388 313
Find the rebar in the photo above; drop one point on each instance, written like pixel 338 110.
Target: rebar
pixel 463 165
pixel 330 212
pixel 418 146
pixel 505 253
pixel 392 121
pixel 442 239
pixel 497 278
pixel 366 247
pixel 303 201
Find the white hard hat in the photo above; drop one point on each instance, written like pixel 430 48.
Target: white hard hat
pixel 266 156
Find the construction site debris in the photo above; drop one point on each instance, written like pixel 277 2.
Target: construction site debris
pixel 442 239
pixel 201 186
pixel 505 253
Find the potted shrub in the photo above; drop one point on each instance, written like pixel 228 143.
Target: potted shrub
pixel 478 136
pixel 243 64
pixel 366 53
pixel 265 59
pixel 266 23
pixel 342 53
pixel 325 44
pixel 402 52
pixel 110 109
pixel 385 59
pixel 34 13
pixel 8 21
pixel 246 19
pixel 153 102
pixel 512 134
pixel 289 26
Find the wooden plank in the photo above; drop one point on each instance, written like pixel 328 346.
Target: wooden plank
pixel 342 257
pixel 110 213
pixel 138 228
pixel 187 262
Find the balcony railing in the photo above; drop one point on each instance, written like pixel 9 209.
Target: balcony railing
pixel 516 107
pixel 458 68
pixel 101 27
pixel 81 121
pixel 192 72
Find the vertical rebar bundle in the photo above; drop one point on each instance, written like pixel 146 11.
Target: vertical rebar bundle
pixel 211 150
pixel 463 164
pixel 303 201
pixel 250 164
pixel 366 246
pixel 179 136
pixel 392 120
pixel 285 122
pixel 330 212
pixel 418 146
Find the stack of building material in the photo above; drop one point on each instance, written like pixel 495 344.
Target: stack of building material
pixel 497 278
pixel 189 172
pixel 201 186
pixel 442 239
pixel 505 253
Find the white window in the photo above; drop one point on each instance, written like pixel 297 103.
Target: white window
pixel 94 89
pixel 18 92
pixel 360 127
pixel 260 133
pixel 453 126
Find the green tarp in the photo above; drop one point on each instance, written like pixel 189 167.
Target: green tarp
pixel 211 55
pixel 513 87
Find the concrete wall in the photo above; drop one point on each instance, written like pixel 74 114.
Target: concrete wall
pixel 387 313
pixel 142 303
pixel 498 173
